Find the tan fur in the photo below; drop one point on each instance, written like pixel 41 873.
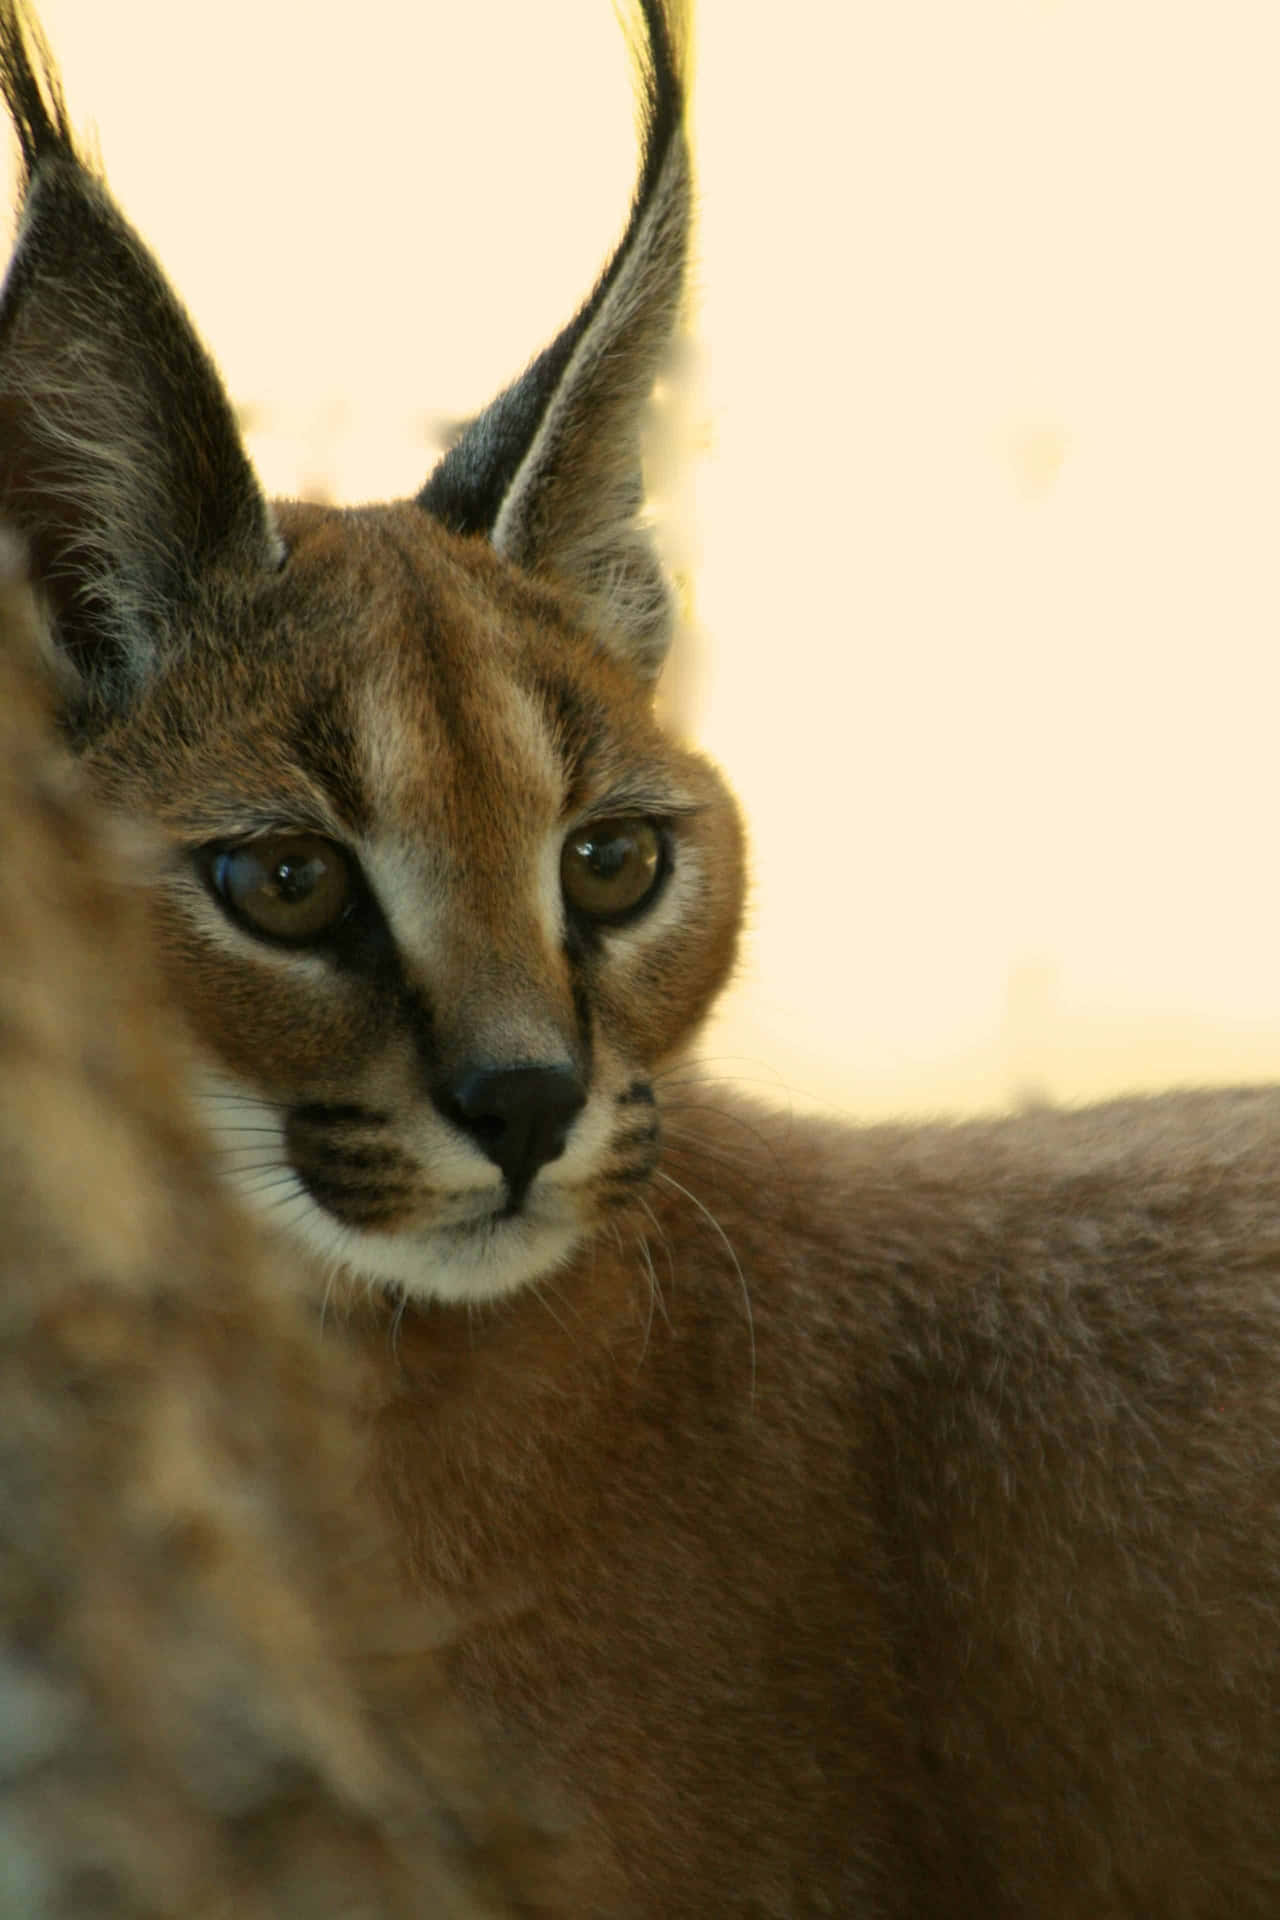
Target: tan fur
pixel 199 1714
pixel 948 1583
pixel 458 774
pixel 878 1523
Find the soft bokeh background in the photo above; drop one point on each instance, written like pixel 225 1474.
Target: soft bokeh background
pixel 984 516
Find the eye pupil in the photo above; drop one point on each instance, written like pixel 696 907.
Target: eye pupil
pixel 611 868
pixel 295 879
pixel 295 888
pixel 607 858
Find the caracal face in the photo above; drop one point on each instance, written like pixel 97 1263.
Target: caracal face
pixel 403 709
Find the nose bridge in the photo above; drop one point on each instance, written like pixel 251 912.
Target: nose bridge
pixel 510 1065
pixel 478 888
pixel 506 997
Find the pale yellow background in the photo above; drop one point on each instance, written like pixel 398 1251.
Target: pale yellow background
pixel 986 532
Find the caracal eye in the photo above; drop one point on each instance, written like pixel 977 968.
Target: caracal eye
pixel 293 887
pixel 611 867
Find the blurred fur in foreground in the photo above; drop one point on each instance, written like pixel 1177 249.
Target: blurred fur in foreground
pixel 192 1710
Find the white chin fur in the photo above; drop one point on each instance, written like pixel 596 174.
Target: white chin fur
pixel 454 1264
pixel 482 1261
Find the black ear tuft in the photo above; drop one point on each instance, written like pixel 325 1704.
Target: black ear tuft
pixel 120 459
pixel 32 93
pixel 551 471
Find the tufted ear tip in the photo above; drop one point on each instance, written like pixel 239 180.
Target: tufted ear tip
pixel 120 459
pixel 552 471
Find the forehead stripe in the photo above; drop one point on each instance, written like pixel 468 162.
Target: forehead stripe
pixel 323 745
pixel 576 720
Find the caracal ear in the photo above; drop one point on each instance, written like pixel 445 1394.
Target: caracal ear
pixel 551 470
pixel 120 459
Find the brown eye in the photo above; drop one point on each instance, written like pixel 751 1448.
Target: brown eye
pixel 294 887
pixel 611 867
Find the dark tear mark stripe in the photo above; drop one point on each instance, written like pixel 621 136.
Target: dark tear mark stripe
pixel 323 744
pixel 577 724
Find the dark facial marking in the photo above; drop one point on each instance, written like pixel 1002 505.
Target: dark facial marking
pixel 322 743
pixel 321 1113
pixel 577 724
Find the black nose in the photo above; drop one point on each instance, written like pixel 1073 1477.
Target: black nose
pixel 519 1116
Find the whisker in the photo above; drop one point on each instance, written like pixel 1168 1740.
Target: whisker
pixel 543 1301
pixel 687 1140
pixel 655 1296
pixel 653 1291
pixel 247 1180
pixel 666 1247
pixel 279 1177
pixel 397 1321
pixel 737 1265
pixel 707 1068
pixel 298 1191
pixel 215 1127
pixel 228 1097
pixel 683 1107
pixel 564 1299
pixel 213 1097
pixel 327 1296
pixel 255 1166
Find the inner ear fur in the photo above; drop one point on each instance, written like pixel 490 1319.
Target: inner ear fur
pixel 120 458
pixel 551 471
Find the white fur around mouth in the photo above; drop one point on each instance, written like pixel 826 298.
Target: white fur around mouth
pixel 489 1254
pixel 482 1259
pixel 480 1253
